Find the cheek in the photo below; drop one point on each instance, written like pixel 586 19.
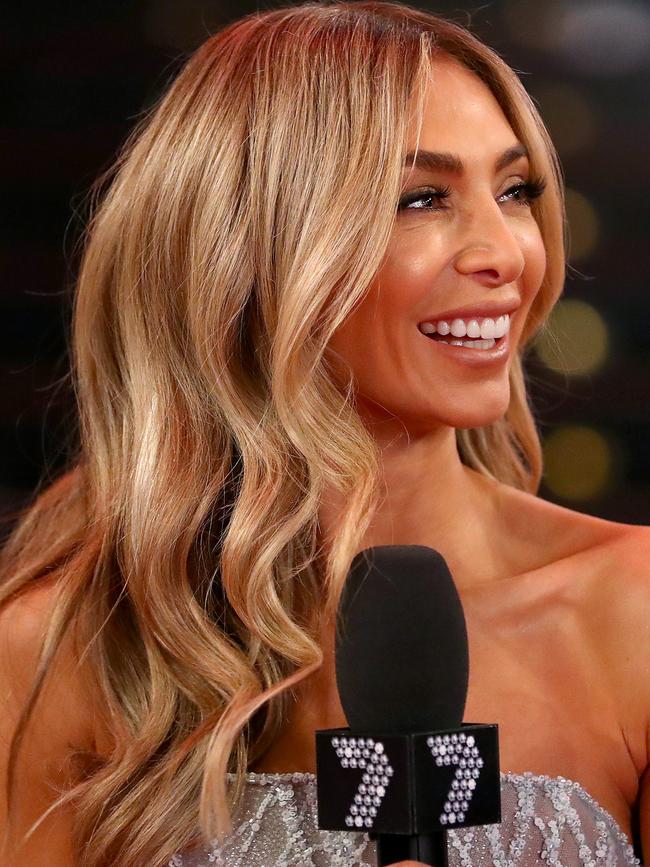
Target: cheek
pixel 352 339
pixel 393 295
pixel 366 338
pixel 410 274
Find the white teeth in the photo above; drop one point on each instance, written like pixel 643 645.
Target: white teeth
pixel 484 329
pixel 472 344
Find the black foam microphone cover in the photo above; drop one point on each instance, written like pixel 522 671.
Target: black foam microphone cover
pixel 402 660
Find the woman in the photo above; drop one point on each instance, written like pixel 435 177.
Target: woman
pixel 265 389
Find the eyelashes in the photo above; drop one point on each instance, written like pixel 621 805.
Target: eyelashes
pixel 530 190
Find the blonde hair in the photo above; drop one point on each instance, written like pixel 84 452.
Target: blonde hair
pixel 225 247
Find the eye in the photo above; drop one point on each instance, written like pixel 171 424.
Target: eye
pixel 530 190
pixel 421 195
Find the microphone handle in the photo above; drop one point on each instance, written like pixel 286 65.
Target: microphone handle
pixel 426 848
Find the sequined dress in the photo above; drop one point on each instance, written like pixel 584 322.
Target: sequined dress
pixel 544 821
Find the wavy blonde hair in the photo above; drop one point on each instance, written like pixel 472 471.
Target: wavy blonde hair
pixel 225 247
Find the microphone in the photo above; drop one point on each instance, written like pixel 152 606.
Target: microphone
pixel 407 768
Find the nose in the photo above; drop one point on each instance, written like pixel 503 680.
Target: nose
pixel 491 252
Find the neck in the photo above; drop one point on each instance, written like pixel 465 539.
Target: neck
pixel 429 497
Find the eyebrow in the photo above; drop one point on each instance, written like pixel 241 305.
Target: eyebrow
pixel 452 163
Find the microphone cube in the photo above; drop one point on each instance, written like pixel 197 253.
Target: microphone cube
pixel 414 783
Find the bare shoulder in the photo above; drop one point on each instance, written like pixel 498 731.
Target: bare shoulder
pixel 620 623
pixel 60 723
pixel 612 576
pixel 605 569
pixel 622 578
pixel 621 626
pixel 24 623
pixel 542 534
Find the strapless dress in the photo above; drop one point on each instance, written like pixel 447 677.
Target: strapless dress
pixel 544 821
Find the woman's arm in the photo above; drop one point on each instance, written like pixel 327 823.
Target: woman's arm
pixel 59 723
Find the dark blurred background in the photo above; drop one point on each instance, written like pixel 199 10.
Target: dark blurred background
pixel 78 76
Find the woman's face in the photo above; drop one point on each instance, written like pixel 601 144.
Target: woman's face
pixel 478 247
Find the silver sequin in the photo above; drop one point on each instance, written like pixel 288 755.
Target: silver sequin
pixel 549 821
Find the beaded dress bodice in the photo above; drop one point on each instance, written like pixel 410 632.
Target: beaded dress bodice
pixel 544 821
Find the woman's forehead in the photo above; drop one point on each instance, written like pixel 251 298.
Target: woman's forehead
pixel 453 89
pixel 460 112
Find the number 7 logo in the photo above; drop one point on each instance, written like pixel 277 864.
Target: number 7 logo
pixel 369 755
pixel 460 750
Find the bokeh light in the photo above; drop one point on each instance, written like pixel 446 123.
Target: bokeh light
pixel 599 38
pixel 575 340
pixel 604 38
pixel 580 463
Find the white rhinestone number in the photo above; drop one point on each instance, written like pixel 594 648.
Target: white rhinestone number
pixel 460 750
pixel 369 755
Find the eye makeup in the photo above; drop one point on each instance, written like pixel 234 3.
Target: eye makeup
pixel 530 190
